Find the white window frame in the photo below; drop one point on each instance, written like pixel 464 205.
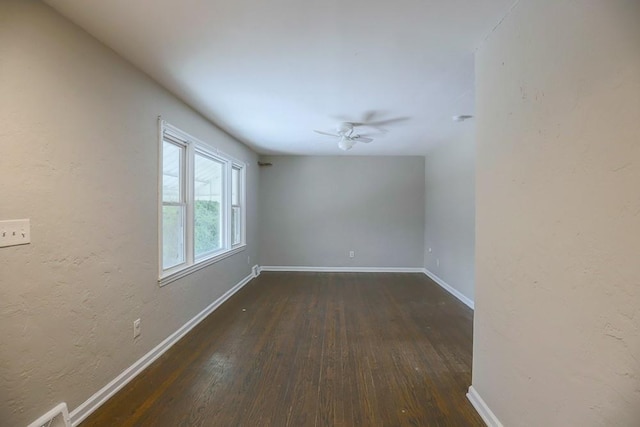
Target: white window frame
pixel 192 146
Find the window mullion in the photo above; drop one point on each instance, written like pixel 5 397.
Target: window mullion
pixel 189 201
pixel 227 200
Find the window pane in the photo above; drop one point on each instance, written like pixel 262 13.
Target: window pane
pixel 207 205
pixel 235 186
pixel 171 172
pixel 235 226
pixel 172 236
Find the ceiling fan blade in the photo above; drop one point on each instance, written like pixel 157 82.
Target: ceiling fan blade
pixel 363 139
pixel 341 118
pixel 386 122
pixel 379 130
pixel 326 133
pixel 368 116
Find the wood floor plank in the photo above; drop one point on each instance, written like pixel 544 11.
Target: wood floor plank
pixel 313 349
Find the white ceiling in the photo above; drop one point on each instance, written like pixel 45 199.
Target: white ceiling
pixel 269 72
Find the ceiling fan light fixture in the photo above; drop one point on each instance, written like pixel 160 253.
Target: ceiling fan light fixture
pixel 345 144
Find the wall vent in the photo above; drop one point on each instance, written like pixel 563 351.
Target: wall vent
pixel 55 417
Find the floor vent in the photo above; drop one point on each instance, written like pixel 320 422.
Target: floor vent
pixel 56 417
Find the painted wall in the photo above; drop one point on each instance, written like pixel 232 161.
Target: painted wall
pixel 314 210
pixel 79 156
pixel 557 320
pixel 450 211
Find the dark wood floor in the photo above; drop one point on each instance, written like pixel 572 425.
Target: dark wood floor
pixel 313 349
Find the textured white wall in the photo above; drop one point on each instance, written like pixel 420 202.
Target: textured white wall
pixel 557 320
pixel 314 210
pixel 450 211
pixel 78 156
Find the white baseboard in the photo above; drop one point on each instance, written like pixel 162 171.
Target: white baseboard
pixel 106 392
pixel 342 269
pixel 483 410
pixel 456 293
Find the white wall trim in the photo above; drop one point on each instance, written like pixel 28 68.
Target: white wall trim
pixel 483 410
pixel 59 410
pixel 255 270
pixel 343 269
pixel 199 265
pixel 453 291
pixel 106 392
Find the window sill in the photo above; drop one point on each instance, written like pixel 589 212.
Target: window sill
pixel 199 265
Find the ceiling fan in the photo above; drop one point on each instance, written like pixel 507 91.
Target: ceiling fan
pixel 347 136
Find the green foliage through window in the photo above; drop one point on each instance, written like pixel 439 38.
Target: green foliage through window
pixel 207 226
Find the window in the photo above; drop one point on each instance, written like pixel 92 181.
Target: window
pixel 207 192
pixel 201 204
pixel 173 204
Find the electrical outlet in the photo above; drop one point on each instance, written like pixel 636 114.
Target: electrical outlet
pixel 429 249
pixel 248 260
pixel 136 328
pixel 437 262
pixel 352 254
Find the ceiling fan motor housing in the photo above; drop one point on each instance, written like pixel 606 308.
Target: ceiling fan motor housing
pixel 344 128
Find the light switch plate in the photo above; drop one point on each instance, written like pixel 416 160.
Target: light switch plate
pixel 15 232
